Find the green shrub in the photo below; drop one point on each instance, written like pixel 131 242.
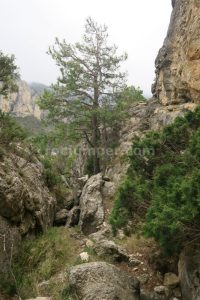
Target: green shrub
pixel 123 207
pixel 10 131
pixel 52 178
pixel 162 184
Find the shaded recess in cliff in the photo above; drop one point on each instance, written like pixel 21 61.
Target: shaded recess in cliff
pixel 178 61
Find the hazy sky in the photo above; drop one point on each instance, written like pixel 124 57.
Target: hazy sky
pixel 28 27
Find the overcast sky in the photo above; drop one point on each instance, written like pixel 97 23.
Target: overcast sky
pixel 29 27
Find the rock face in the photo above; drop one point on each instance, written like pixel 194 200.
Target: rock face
pixel 102 281
pixel 61 217
pixel 25 201
pixel 91 205
pixel 22 103
pixel 178 61
pixel 142 117
pixel 189 273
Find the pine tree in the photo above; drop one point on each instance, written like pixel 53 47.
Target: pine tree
pixel 90 77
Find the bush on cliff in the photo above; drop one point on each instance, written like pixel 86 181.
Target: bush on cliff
pixel 10 131
pixel 162 185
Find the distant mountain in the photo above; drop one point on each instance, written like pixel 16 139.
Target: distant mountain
pixel 24 102
pixel 38 87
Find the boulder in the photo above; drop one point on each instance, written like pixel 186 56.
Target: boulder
pixel 84 256
pixel 171 280
pixel 25 199
pixel 61 217
pixel 105 232
pixel 91 205
pixel 102 281
pixel 189 274
pixel 160 289
pixel 108 249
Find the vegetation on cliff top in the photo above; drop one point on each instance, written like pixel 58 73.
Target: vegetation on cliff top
pixel 162 184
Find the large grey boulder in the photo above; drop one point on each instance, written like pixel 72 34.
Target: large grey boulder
pixel 91 205
pixel 189 274
pixel 102 281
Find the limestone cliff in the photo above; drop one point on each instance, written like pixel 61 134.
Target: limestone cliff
pixel 178 61
pixel 22 103
pixel 25 201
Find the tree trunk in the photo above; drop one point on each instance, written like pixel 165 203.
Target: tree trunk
pixel 96 162
pixel 105 145
pixel 95 129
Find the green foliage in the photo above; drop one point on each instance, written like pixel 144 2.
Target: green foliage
pixel 7 285
pixel 162 185
pixel 128 96
pixel 57 145
pixel 43 258
pixel 42 142
pixel 8 74
pixel 31 124
pixel 122 210
pixel 58 157
pixel 84 94
pixel 52 178
pixel 54 168
pixel 10 131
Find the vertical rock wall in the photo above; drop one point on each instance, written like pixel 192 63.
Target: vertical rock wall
pixel 178 61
